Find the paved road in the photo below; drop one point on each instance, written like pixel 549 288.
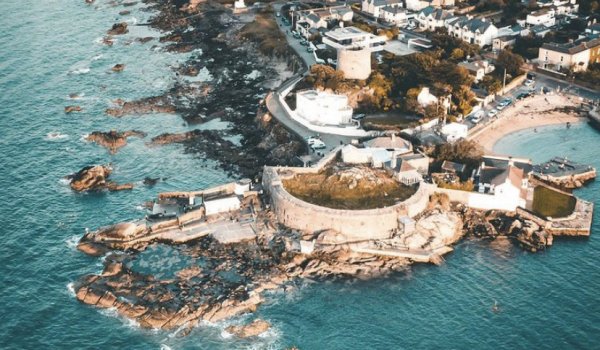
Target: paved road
pixel 294 43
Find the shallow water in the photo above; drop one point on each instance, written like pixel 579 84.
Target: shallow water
pixel 49 49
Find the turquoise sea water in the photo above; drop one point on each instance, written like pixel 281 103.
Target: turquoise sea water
pixel 51 48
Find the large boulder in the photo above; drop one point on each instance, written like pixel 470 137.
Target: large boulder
pixel 118 29
pixel 253 329
pixel 113 140
pixel 90 177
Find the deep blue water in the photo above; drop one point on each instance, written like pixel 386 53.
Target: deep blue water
pixel 50 48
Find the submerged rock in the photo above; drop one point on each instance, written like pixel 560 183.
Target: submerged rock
pixel 71 109
pixel 113 140
pixel 119 67
pixel 253 329
pixel 157 104
pixel 118 29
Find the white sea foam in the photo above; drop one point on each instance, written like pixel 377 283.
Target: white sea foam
pixel 112 312
pixel 97 57
pixel 165 347
pixel 83 137
pixel 78 71
pixel 64 181
pixel 71 289
pixel 56 136
pixel 72 241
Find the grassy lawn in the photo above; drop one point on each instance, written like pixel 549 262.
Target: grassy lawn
pixel 370 189
pixel 547 202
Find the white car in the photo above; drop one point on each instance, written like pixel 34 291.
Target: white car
pixel 476 118
pixel 317 144
pixel 492 113
pixel 528 82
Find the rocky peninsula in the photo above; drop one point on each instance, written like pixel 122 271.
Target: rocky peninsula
pixel 113 140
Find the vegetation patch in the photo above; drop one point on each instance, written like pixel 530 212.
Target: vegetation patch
pixel 548 202
pixel 355 188
pixel 265 32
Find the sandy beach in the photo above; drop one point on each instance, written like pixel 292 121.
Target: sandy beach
pixel 532 112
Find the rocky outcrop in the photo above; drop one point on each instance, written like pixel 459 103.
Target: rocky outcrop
pixel 71 109
pixel 119 67
pixel 253 329
pixel 108 41
pixel 157 104
pixel 113 140
pixel 118 29
pixel 95 178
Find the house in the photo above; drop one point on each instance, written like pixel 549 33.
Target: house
pixel 575 55
pixel 390 143
pixel 418 161
pixel 453 167
pixel 378 151
pixel 431 18
pixel 394 15
pixel 501 42
pixel 374 7
pixel 309 20
pixel 426 98
pixel 354 48
pixel 478 31
pixel 403 171
pixel 544 16
pixel 506 179
pixel 418 5
pixel 478 68
pixel 322 108
pixel 454 131
pixel 593 29
pixel 352 38
pixel 539 30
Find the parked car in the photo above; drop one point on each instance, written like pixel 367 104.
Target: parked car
pixel 359 116
pixel 318 144
pixel 476 118
pixel 523 95
pixel 528 82
pixel 310 49
pixel 503 104
pixel 492 113
pixel 303 42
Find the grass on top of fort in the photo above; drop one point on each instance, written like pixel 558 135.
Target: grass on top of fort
pixel 547 202
pixel 355 188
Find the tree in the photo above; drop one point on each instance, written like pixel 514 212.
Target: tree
pixel 462 151
pixel 463 98
pixel 512 62
pixel 457 54
pixel 381 90
pixel 491 84
pixel 410 101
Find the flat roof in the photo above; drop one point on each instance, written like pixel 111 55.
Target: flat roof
pixel 347 33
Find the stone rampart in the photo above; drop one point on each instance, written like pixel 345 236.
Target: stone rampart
pixel 355 225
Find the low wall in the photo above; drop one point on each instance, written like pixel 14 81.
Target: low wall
pixel 356 225
pixel 514 83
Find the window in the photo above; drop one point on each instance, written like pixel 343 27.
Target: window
pixel 561 58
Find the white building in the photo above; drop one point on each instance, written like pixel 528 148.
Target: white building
pixel 426 98
pixel 476 31
pixel 222 205
pixel 431 18
pixel 378 151
pixel 354 48
pixel 507 185
pixel 454 131
pixel 544 16
pixel 352 38
pixel 478 68
pixel 308 21
pixel 418 5
pixel 322 108
pixel 374 7
pixel 394 15
pixel 576 55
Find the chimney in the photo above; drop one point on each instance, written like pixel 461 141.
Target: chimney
pixel 393 138
pixel 511 162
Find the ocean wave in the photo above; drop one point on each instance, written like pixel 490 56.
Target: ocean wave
pixel 78 71
pixel 127 322
pixel 64 181
pixel 97 57
pixel 72 241
pixel 55 136
pixel 165 347
pixel 132 21
pixel 71 289
pixel 83 137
